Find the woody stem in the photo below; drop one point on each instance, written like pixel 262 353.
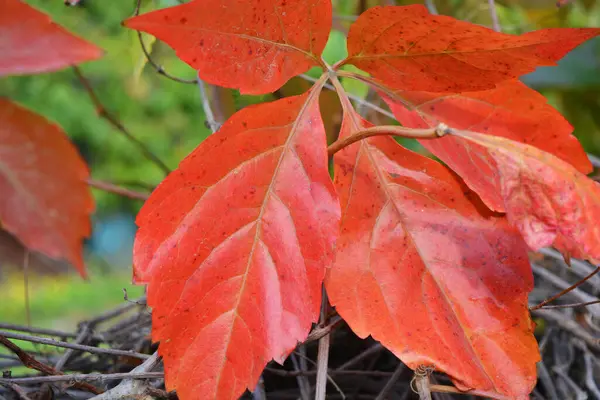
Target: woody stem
pixel 387 130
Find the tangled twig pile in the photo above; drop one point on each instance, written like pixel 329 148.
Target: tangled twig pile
pixel 112 357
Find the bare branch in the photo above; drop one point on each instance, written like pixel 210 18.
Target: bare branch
pixel 81 378
pixel 494 15
pixel 102 112
pixel 112 188
pixel 323 355
pixel 57 343
pixel 383 394
pixel 567 290
pixel 129 387
pixel 30 362
pixel 211 123
pixel 568 325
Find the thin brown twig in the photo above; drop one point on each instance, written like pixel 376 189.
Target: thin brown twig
pixel 81 378
pixel 159 69
pixel 565 291
pixel 21 393
pixel 103 113
pixel 383 394
pixel 121 191
pixel 572 305
pixel 321 331
pixel 452 389
pixel 30 362
pixel 39 331
pixel 568 325
pixel 331 372
pixel 83 335
pixel 57 343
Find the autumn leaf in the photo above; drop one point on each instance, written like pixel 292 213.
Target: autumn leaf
pixel 511 110
pixel 234 244
pixel 420 269
pixel 549 201
pixel 410 49
pixel 31 43
pixel 45 199
pixel 254 46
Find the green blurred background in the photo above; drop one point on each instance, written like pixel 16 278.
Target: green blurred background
pixel 167 116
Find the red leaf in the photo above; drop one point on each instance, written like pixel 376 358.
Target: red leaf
pixel 31 43
pixel 549 201
pixel 410 49
pixel 234 246
pixel 254 46
pixel 421 270
pixel 511 110
pixel 45 199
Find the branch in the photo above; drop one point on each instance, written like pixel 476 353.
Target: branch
pixel 57 343
pixel 323 354
pixel 31 362
pixel 494 15
pixel 81 378
pixel 131 388
pixel 391 130
pixel 118 190
pixel 559 282
pixel 103 113
pixel 211 123
pixel 452 389
pixel 572 305
pixel 568 325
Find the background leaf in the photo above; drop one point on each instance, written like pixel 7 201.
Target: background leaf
pixel 45 199
pixel 32 43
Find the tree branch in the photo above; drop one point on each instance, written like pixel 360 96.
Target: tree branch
pixel 118 190
pixel 103 113
pixel 57 343
pixel 81 378
pixel 31 362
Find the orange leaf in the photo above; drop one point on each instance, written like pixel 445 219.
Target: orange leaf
pixel 45 199
pixel 549 201
pixel 410 49
pixel 511 110
pixel 254 46
pixel 420 269
pixel 234 246
pixel 31 43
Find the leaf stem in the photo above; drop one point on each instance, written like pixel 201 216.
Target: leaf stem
pixel 388 130
pixel 159 69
